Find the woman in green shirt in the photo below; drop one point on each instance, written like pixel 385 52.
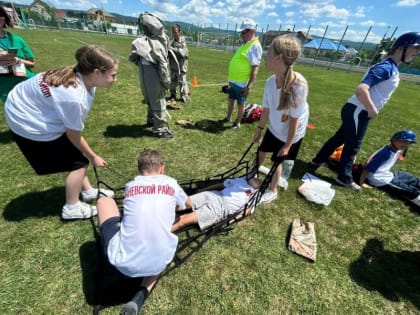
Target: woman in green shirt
pixel 15 55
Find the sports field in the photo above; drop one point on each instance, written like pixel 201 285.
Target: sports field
pixel 368 250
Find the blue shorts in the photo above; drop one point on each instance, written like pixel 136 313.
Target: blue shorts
pixel 237 93
pixel 107 230
pixel 271 144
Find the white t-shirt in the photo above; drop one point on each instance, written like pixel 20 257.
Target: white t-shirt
pixel 39 112
pixel 379 166
pixel 145 245
pixel 236 193
pixel 280 119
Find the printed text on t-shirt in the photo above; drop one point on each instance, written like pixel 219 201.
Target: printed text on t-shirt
pixel 150 190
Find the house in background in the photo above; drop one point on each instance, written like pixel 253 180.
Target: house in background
pixel 268 37
pixel 97 15
pixel 42 9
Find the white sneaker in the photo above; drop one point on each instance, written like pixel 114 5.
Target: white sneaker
pixel 268 196
pixel 416 201
pixel 283 183
pixel 90 195
pixel 351 185
pixel 80 211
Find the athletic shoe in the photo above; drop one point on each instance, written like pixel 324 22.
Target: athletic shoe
pixel 133 307
pixel 351 185
pixel 130 308
pixel 235 126
pixel 185 98
pixel 80 211
pixel 268 196
pixel 416 201
pixel 92 194
pixel 166 134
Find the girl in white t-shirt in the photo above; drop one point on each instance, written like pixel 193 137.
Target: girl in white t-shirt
pixel 46 116
pixel 286 109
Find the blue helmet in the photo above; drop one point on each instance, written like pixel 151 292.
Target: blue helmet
pixel 407 39
pixel 405 135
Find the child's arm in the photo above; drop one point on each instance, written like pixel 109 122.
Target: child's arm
pixel 362 179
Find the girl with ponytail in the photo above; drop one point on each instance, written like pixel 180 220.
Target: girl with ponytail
pixel 46 116
pixel 285 109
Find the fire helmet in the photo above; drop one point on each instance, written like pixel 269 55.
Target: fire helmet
pixel 405 135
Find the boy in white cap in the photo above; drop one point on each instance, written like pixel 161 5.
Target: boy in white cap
pixel 243 70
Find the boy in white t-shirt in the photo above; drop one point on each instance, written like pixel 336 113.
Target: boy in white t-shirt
pixel 377 170
pixel 218 202
pixel 140 242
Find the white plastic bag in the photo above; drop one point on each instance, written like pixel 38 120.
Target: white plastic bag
pixel 316 190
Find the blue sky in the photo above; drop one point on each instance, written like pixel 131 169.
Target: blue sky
pixel 357 15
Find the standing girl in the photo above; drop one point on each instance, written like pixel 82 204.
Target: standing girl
pixel 46 115
pixel 285 107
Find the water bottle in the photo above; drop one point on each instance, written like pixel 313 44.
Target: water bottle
pixel 285 173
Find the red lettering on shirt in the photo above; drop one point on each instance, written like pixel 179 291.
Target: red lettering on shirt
pixel 45 88
pixel 140 190
pixel 166 190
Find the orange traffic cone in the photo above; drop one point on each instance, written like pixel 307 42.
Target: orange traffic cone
pixel 194 82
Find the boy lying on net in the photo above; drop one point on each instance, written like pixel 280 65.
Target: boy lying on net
pixel 218 202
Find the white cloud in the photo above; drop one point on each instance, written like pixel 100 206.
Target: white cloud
pixel 407 3
pixel 289 14
pixel 328 10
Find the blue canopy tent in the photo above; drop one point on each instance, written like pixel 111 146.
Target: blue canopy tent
pixel 325 44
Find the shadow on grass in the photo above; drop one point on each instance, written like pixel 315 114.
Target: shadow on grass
pixel 395 275
pixel 35 204
pixel 6 137
pixel 124 131
pixel 100 288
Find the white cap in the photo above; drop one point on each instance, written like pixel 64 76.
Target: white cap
pixel 248 24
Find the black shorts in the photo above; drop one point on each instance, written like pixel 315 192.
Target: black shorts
pixel 51 157
pixel 107 230
pixel 271 144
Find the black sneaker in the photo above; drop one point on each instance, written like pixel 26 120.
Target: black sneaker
pixel 164 134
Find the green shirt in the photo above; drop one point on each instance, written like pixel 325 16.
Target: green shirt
pixel 7 82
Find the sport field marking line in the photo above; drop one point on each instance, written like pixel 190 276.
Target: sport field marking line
pixel 63 40
pixel 217 84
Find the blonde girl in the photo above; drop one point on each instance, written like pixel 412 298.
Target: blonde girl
pixel 285 108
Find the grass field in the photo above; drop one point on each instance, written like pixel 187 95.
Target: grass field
pixel 368 251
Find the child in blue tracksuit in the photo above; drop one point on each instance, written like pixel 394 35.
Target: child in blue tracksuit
pixel 370 96
pixel 377 170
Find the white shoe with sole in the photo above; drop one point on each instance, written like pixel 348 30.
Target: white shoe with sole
pixel 92 194
pixel 268 196
pixel 351 185
pixel 81 210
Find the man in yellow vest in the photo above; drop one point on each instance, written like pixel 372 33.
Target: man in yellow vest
pixel 243 69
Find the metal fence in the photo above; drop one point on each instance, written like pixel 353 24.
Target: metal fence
pixel 362 48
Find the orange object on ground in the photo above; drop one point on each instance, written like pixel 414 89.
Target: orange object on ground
pixel 194 82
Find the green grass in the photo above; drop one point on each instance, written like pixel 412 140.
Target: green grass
pixel 46 265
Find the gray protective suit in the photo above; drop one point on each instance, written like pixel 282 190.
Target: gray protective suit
pixel 150 53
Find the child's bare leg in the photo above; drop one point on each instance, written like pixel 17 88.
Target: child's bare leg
pixel 186 219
